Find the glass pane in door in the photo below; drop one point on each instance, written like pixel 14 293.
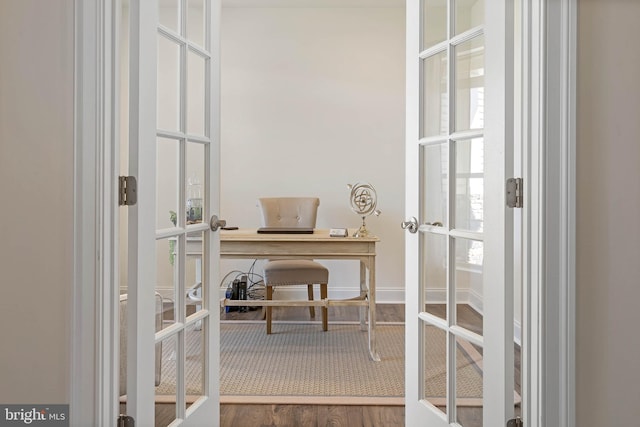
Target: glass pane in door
pixel 469 388
pixel 435 184
pixel 434 22
pixel 469 201
pixel 195 361
pixel 196 21
pixel 468 14
pixel 434 275
pixel 468 284
pixel 434 384
pixel 469 84
pixel 169 14
pixel 167 259
pixel 196 189
pixel 167 178
pixel 193 272
pixel 196 95
pixel 166 376
pixel 435 99
pixel 168 92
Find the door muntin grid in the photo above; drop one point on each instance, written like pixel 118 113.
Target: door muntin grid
pixel 183 117
pixel 451 185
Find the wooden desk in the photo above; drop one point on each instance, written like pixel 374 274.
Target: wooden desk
pixel 247 243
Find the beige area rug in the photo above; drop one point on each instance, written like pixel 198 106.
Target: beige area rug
pixel 300 364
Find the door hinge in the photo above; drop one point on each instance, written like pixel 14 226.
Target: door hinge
pixel 514 193
pixel 515 422
pixel 127 191
pixel 125 421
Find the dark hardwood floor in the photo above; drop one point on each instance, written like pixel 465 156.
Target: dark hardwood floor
pixel 311 416
pixel 243 415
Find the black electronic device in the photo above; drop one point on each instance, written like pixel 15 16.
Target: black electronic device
pixel 242 293
pixel 285 230
pixel 238 291
pixel 233 294
pixel 228 294
pixel 234 289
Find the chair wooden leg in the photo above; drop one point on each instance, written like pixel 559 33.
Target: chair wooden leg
pixel 268 308
pixel 312 309
pixel 325 310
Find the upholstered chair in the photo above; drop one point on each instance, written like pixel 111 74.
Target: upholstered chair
pixel 292 212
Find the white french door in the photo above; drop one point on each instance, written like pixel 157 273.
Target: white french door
pixel 172 342
pixel 459 258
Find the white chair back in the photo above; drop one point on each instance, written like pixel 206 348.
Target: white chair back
pixel 289 212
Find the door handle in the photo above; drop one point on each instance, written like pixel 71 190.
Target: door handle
pixel 411 225
pixel 215 223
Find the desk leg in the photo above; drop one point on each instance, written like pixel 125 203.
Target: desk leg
pixel 373 351
pixel 364 289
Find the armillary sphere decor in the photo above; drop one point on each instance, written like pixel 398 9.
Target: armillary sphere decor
pixel 363 199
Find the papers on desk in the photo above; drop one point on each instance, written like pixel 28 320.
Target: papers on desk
pixel 338 232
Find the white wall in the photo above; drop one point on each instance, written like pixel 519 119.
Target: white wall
pixel 36 217
pixel 313 99
pixel 608 212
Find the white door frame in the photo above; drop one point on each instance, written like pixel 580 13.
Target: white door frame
pixel 94 344
pixel 548 131
pixel 548 218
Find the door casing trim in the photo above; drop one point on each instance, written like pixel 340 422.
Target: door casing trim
pixel 94 338
pixel 549 129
